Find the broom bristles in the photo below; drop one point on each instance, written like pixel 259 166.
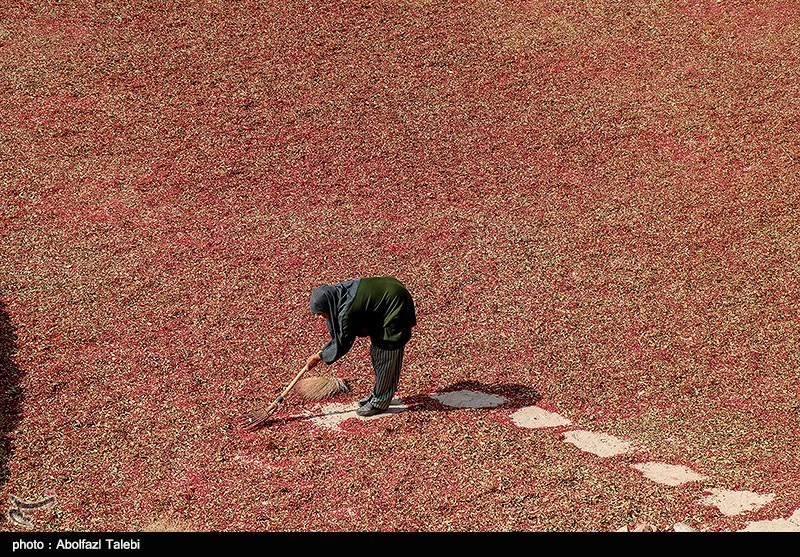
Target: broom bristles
pixel 317 388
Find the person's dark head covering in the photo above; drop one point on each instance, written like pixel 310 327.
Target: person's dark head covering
pixel 327 299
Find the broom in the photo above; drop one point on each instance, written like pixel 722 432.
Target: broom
pixel 310 388
pixel 317 388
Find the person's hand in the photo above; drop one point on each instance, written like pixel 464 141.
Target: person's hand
pixel 313 360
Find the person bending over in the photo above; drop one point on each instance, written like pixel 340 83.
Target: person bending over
pixel 380 308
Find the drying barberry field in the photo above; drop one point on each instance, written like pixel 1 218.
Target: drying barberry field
pixel 596 205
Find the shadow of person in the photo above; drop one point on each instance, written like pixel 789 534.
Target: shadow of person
pixel 10 390
pixel 459 396
pixel 474 394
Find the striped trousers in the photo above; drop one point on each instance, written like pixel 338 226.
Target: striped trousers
pixel 387 364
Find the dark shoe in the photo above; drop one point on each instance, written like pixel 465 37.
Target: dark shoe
pixel 364 400
pixel 369 410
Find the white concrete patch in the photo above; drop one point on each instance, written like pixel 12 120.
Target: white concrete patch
pixel 535 418
pixel 791 524
pixel 332 415
pixel 731 503
pixel 468 399
pixel 668 474
pixel 600 444
pixel 777 525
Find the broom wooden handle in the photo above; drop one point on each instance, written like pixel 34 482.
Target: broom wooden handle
pixel 289 387
pixel 251 421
